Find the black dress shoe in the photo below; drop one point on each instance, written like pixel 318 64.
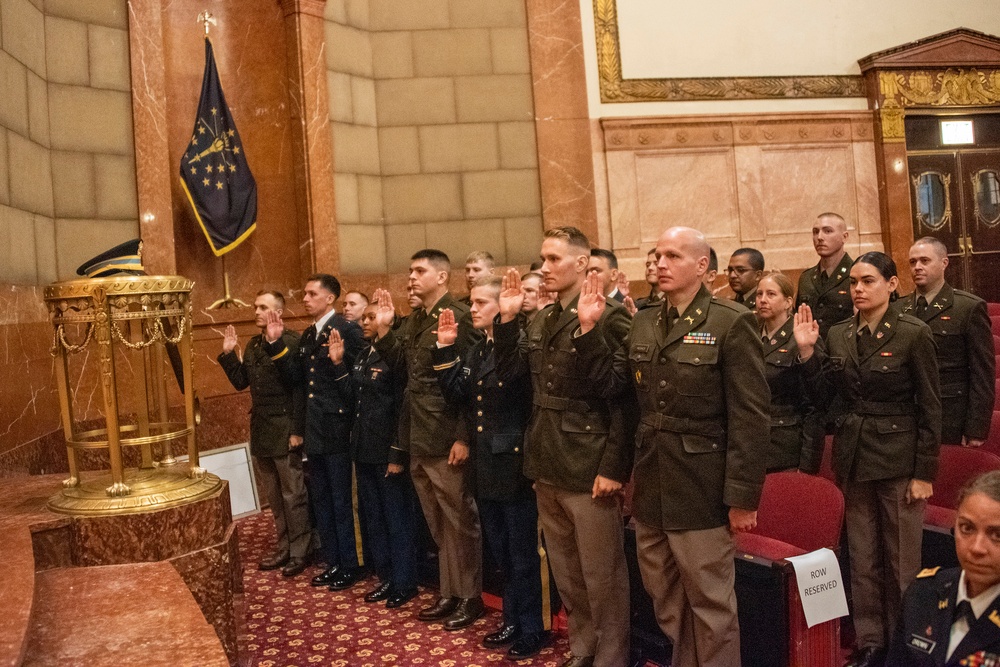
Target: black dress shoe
pixel 579 661
pixel 528 645
pixel 294 567
pixel 327 577
pixel 466 613
pixel 870 656
pixel 381 593
pixel 347 578
pixel 273 562
pixel 399 598
pixel 506 634
pixel 443 608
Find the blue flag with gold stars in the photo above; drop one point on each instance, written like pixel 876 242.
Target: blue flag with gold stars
pixel 214 171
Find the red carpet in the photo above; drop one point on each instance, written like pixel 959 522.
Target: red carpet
pixel 289 623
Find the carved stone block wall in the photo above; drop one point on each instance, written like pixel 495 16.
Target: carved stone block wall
pixel 743 180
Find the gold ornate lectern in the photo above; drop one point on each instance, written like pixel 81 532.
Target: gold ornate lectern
pixel 137 321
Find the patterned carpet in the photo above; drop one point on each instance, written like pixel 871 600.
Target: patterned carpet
pixel 290 624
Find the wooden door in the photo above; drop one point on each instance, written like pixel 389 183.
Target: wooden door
pixel 980 177
pixel 936 201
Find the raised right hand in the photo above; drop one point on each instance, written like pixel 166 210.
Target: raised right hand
pixel 511 296
pixel 229 339
pixel 447 328
pixel 273 326
pixel 335 345
pixel 591 304
pixel 806 331
pixel 385 313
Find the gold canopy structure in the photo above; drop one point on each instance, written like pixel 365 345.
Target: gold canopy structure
pixel 138 321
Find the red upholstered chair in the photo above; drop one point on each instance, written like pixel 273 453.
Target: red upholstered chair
pixel 992 444
pixel 993 308
pixel 798 513
pixel 996 343
pixel 995 324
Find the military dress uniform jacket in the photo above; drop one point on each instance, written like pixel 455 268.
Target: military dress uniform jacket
pixel 428 426
pixel 328 415
pixel 961 327
pixel 797 426
pixel 924 631
pixel 829 299
pixel 748 300
pixel 574 434
pixel 886 405
pixel 496 414
pixel 703 433
pixel 277 408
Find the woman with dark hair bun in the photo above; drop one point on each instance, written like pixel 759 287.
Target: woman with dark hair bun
pixel 879 374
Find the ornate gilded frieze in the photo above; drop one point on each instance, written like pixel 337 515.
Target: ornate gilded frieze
pixel 951 87
pixel 616 89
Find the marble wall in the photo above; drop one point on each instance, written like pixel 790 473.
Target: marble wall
pixel 757 181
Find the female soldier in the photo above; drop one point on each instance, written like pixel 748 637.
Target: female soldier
pixel 880 369
pixel 796 427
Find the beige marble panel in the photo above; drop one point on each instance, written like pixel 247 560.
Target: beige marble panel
pixel 109 63
pixel 510 51
pixel 409 14
pixel 497 97
pixel 67 58
pixel 370 200
pixel 86 119
pixel 355 148
pixel 415 101
pixel 392 54
pixel 866 186
pixel 504 193
pixel 348 50
pixel 462 147
pixel 14 101
pixel 518 149
pixel 495 13
pixel 336 11
pixel 454 52
pixel 4 169
pixel 115 181
pixel 800 182
pixel 362 249
pixel 30 175
pixel 45 249
pixel 422 198
pixel 38 109
pixel 79 240
pixel 524 239
pixel 399 150
pixel 345 188
pixel 23 33
pixel 753 227
pixel 459 238
pixel 401 241
pixel 624 200
pixel 17 263
pixel 111 13
pixel 695 188
pixel 359 13
pixel 73 185
pixel 363 101
pixel 338 87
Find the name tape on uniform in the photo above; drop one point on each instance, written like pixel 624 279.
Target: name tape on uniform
pixel 821 587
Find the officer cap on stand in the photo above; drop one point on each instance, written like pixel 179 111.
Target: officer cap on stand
pixel 123 259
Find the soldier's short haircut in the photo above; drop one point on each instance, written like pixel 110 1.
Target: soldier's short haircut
pixel 533 274
pixel 327 282
pixel 754 256
pixel 652 251
pixel 364 297
pixel 713 260
pixel 493 283
pixel 605 254
pixel 279 298
pixel 937 244
pixel 535 266
pixel 481 256
pixel 437 258
pixel 571 235
pixel 783 282
pixel 831 214
pixel 987 484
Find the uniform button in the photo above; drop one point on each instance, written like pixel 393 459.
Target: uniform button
pixel 697 360
pixel 517 449
pixel 894 427
pixel 499 384
pixel 479 429
pixel 663 360
pixel 479 414
pixel 885 368
pixel 340 412
pixel 715 445
pixel 310 395
pixel 480 383
pixel 781 422
pixel 311 383
pixel 588 428
pixel 552 349
pixel 572 349
pixel 551 367
pixel 312 370
pixel 663 383
pixel 357 414
pixel 662 404
pixel 548 385
pixel 479 398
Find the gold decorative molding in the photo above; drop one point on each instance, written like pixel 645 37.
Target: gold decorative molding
pixel 951 87
pixel 615 89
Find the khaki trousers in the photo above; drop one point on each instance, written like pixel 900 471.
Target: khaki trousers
pixel 884 537
pixel 584 540
pixel 691 576
pixel 284 485
pixel 454 524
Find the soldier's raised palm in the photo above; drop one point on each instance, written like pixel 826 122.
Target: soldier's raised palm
pixel 511 296
pixel 385 313
pixel 592 303
pixel 336 347
pixel 806 331
pixel 447 328
pixel 273 326
pixel 229 339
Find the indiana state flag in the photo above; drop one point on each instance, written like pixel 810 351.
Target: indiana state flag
pixel 214 171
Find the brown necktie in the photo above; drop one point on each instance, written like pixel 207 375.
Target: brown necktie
pixel 921 307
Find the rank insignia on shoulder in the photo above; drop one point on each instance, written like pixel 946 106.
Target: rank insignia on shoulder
pixel 689 319
pixel 698 310
pixel 995 617
pixel 928 572
pixel 699 338
pixel 942 604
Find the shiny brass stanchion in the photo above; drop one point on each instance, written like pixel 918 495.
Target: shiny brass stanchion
pixel 133 321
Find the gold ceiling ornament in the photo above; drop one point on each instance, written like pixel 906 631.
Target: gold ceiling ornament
pixel 951 87
pixel 140 323
pixel 614 88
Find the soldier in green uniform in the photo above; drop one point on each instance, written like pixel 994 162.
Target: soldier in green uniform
pixel 961 327
pixel 277 417
pixel 879 375
pixel 429 431
pixel 698 371
pixel 746 267
pixel 826 286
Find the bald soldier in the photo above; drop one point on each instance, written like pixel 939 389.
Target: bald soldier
pixel 961 327
pixel 826 286
pixel 697 367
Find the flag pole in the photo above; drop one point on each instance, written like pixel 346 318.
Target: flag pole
pixel 227 300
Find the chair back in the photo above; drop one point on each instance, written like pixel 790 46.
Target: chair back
pixel 805 511
pixel 956 466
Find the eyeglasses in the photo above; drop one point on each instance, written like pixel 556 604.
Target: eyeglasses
pixel 737 269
